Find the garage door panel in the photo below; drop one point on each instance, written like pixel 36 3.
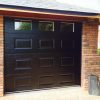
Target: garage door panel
pixel 49 70
pixel 66 70
pixel 23 64
pixel 67 61
pixel 46 61
pixel 67 44
pixel 67 77
pixel 9 83
pixel 10 67
pixel 20 63
pixel 23 82
pixel 48 85
pixel 64 83
pixel 19 82
pixel 46 81
pixel 23 44
pixel 16 43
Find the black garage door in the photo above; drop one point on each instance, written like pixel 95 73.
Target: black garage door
pixel 41 54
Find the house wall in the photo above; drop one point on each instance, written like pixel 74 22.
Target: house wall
pixel 1 57
pixel 90 59
pixel 99 37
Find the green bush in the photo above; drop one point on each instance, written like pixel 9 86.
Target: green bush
pixel 98 51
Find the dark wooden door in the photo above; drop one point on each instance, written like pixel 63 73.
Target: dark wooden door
pixel 41 57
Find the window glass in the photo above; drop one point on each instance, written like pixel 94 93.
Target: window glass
pixel 23 25
pixel 46 26
pixel 67 27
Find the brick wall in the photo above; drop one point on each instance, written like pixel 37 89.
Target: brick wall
pixel 1 57
pixel 90 59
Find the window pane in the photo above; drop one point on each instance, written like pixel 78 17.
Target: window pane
pixel 23 25
pixel 46 26
pixel 67 27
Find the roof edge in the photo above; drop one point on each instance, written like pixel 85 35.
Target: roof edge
pixel 49 10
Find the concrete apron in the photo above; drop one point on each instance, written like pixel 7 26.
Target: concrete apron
pixel 62 93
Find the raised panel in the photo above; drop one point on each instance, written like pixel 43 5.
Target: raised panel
pixel 67 44
pixel 22 82
pixel 67 79
pixel 23 43
pixel 46 81
pixel 23 64
pixel 46 62
pixel 46 44
pixel 67 61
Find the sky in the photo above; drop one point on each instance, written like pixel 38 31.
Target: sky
pixel 93 4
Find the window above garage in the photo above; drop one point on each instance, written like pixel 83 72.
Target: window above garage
pixel 23 25
pixel 30 26
pixel 46 26
pixel 67 27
